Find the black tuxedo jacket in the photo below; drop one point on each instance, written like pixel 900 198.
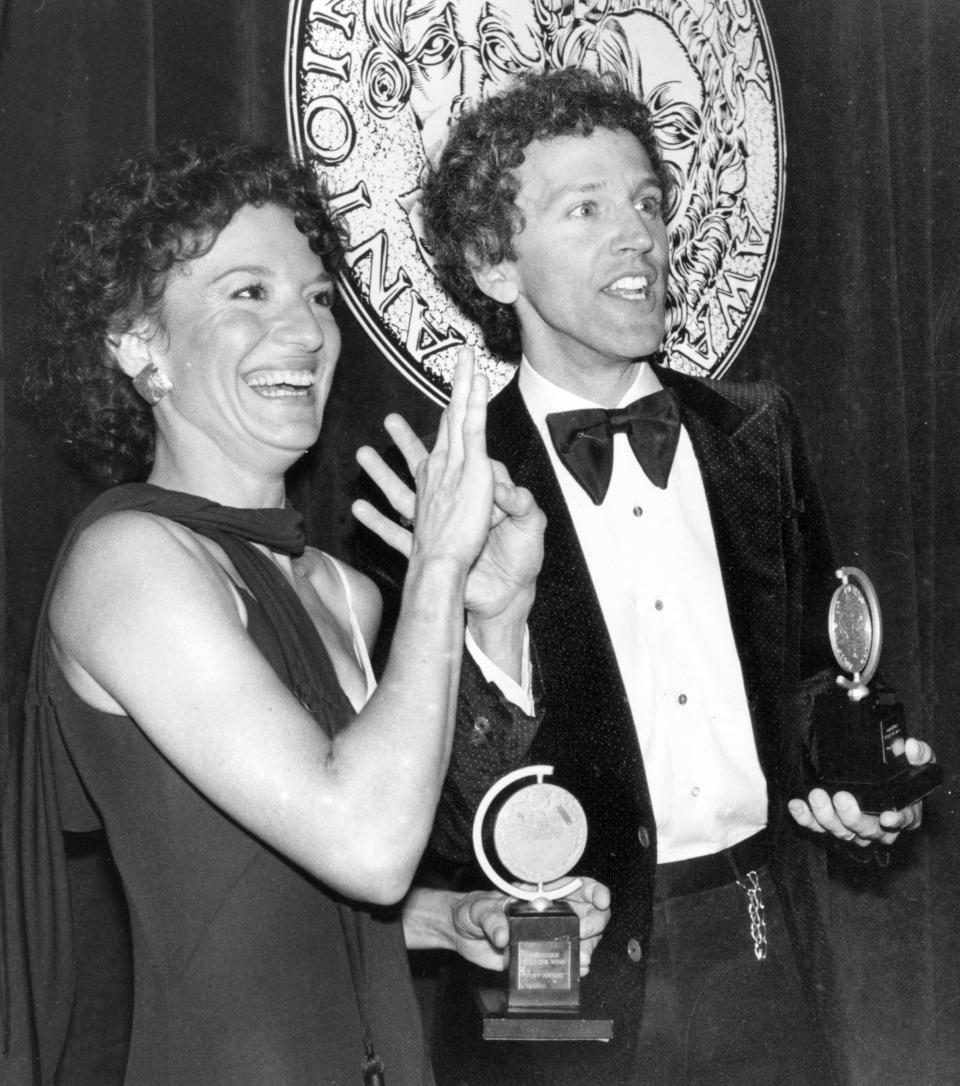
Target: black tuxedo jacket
pixel 778 574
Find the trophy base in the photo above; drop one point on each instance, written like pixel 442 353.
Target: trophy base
pixel 892 794
pixel 858 748
pixel 544 956
pixel 502 1024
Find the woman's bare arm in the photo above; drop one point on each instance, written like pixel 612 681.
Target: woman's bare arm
pixel 145 622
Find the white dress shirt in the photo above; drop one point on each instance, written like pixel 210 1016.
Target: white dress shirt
pixel 653 561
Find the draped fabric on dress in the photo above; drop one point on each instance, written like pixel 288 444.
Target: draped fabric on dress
pixel 224 929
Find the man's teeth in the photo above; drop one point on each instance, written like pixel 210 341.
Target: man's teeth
pixel 630 285
pixel 281 382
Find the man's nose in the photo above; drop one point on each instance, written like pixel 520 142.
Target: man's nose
pixel 633 230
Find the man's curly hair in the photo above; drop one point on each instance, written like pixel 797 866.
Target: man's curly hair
pixel 469 211
pixel 107 270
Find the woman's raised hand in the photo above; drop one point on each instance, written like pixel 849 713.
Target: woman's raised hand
pixel 509 558
pixel 455 481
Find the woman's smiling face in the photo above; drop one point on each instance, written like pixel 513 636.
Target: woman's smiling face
pixel 249 341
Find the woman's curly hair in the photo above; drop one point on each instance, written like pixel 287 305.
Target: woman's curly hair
pixel 469 211
pixel 106 272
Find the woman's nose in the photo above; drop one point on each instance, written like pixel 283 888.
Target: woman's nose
pixel 300 325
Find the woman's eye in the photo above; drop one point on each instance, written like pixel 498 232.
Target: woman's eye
pixel 253 291
pixel 324 298
pixel 584 211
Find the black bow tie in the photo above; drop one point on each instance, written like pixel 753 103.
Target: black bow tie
pixel 584 440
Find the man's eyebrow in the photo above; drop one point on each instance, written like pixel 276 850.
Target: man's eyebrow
pixel 574 188
pixel 649 183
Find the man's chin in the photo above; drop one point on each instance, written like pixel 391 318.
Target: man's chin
pixel 645 348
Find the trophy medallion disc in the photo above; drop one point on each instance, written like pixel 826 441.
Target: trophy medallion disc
pixel 854 626
pixel 540 833
pixel 858 740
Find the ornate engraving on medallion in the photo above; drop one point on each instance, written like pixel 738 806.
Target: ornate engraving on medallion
pixel 372 84
pixel 540 833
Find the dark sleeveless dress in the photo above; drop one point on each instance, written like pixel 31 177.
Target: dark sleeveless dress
pixel 246 969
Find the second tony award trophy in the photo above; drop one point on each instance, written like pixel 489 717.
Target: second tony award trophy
pixel 858 733
pixel 540 832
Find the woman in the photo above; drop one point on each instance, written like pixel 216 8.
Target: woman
pixel 201 681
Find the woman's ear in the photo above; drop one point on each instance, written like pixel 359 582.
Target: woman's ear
pixel 498 281
pixel 136 354
pixel 133 350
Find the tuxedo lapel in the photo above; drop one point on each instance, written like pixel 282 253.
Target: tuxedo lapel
pixel 750 510
pixel 579 668
pixel 565 595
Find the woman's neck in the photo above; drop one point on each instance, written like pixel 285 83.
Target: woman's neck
pixel 191 462
pixel 235 489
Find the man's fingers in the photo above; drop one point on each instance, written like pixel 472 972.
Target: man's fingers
pixel 391 533
pixel 496 928
pixel 593 908
pixel 909 818
pixel 840 815
pixel 848 812
pixel 600 895
pixel 804 816
pixel 484 917
pixel 918 752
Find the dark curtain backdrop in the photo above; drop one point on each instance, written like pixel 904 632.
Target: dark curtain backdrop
pixel 861 324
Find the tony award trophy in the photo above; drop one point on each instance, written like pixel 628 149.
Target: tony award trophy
pixel 540 832
pixel 859 734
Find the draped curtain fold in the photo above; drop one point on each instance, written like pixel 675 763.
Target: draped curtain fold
pixel 861 324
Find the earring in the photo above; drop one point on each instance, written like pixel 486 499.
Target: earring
pixel 152 384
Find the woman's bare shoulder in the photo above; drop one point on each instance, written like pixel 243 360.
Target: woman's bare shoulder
pixel 127 559
pixel 128 543
pixel 133 586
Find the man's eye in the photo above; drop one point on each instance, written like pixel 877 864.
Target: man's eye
pixel 254 292
pixel 649 205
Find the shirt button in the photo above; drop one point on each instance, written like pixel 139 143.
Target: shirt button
pixel 481 726
pixel 682 699
pixel 637 511
pixel 634 950
pixel 695 792
pixel 643 836
pixel 658 605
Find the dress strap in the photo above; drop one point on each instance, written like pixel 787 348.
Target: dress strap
pixel 359 644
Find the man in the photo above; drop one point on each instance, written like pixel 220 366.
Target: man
pixel 678 620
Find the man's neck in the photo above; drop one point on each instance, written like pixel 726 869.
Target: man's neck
pixel 604 387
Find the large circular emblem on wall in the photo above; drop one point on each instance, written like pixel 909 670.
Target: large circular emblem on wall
pixel 371 88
